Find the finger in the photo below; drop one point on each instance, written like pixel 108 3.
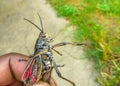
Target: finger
pixel 17 67
pixel 41 83
pixel 52 82
pixel 17 83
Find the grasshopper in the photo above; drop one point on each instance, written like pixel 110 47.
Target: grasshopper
pixel 41 63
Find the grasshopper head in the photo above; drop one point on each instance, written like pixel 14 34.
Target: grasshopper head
pixel 46 37
pixel 42 35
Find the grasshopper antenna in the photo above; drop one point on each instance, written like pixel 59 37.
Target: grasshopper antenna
pixel 41 22
pixel 34 24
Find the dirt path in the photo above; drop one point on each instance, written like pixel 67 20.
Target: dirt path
pixel 17 35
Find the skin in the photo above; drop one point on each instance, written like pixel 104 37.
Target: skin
pixel 11 71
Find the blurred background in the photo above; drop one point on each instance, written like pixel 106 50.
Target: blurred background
pixel 97 23
pixel 93 22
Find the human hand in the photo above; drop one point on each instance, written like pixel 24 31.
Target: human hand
pixel 52 83
pixel 11 71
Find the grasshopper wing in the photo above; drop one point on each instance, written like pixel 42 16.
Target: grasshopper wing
pixel 28 70
pixel 37 70
pixel 33 70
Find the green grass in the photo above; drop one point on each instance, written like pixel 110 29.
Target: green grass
pixel 98 24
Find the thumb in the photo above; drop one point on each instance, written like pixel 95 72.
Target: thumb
pixel 41 83
pixel 52 82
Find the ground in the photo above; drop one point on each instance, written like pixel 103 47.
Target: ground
pixel 17 35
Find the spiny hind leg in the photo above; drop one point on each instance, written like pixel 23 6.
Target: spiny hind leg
pixel 59 74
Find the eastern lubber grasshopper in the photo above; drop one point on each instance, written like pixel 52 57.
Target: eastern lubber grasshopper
pixel 41 63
